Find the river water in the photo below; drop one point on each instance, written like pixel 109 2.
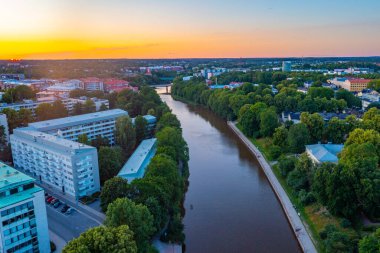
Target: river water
pixel 230 205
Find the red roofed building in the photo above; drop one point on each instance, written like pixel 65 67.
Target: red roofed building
pixel 117 85
pixel 351 83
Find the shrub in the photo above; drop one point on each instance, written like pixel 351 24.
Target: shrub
pixel 275 152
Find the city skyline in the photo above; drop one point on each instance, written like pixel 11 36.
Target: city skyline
pixel 193 29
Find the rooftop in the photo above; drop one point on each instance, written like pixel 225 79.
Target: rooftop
pixel 11 178
pixel 76 120
pixel 325 152
pixel 46 139
pixel 136 164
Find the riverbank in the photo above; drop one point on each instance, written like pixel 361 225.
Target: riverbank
pixel 298 227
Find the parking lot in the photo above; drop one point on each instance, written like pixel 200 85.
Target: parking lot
pixel 68 226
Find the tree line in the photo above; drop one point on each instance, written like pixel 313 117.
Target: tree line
pixel 138 210
pixel 347 189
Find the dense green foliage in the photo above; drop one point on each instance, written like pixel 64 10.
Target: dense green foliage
pixel 138 218
pixel 103 240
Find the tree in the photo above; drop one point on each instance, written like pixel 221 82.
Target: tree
pixel 280 137
pixel 89 106
pixel 82 138
pixel 18 94
pixel 137 216
pixel 113 188
pixel 110 162
pixel 321 92
pixel 168 120
pixel 78 109
pixel 100 141
pixel 336 130
pixel 298 137
pixel 315 124
pixel 125 134
pixel 140 128
pixel 59 110
pixel 286 165
pixel 350 98
pixel 370 243
pixel 337 241
pixel 268 122
pixel 44 111
pixel 103 239
pixel 172 137
pixel 103 107
pixel 78 93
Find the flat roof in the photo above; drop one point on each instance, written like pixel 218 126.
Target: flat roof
pixel 136 164
pixel 43 138
pixel 76 120
pixel 10 177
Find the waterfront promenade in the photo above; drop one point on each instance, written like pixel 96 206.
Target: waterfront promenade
pixel 295 221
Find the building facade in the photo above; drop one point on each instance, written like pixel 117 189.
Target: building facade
pixel 68 103
pixel 65 165
pixel 286 66
pixel 351 84
pixel 4 123
pixel 92 124
pixel 93 84
pixel 23 226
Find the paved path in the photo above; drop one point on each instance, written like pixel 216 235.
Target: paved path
pixel 298 227
pixel 58 241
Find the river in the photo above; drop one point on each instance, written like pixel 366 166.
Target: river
pixel 230 205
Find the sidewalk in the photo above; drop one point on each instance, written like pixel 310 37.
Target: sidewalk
pixel 58 241
pixel 298 227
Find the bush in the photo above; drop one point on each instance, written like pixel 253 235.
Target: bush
pixel 306 198
pixel 345 223
pixel 275 152
pixel 286 165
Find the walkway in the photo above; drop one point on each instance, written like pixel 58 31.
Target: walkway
pixel 58 241
pixel 298 227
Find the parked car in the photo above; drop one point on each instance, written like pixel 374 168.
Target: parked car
pixel 53 201
pixel 70 211
pixel 57 204
pixel 50 200
pixel 65 208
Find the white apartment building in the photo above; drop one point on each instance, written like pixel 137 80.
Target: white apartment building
pixel 68 103
pixel 65 165
pixel 92 124
pixel 23 220
pixel 4 123
pixel 93 84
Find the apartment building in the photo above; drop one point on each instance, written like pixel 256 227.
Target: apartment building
pixel 4 123
pixel 68 103
pixel 93 84
pixel 92 124
pixel 350 84
pixel 65 165
pixel 23 220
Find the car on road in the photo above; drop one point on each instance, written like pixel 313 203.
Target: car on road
pixel 65 208
pixel 69 211
pixel 57 204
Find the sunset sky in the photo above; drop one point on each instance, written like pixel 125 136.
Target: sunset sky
pixel 63 29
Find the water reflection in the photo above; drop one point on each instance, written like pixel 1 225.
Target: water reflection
pixel 230 206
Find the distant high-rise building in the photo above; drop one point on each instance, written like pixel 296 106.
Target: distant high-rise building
pixel 23 226
pixel 286 66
